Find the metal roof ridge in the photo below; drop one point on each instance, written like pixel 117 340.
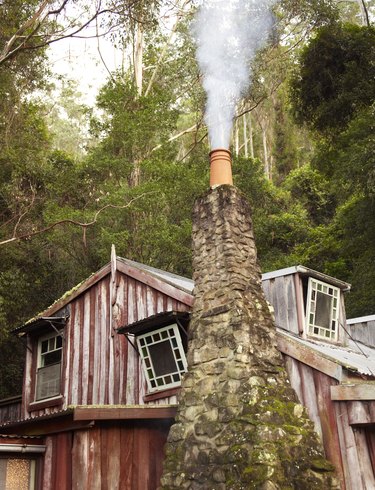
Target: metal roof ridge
pixel 360 319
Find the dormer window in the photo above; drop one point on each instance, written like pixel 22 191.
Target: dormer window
pixel 322 310
pixel 48 378
pixel 163 357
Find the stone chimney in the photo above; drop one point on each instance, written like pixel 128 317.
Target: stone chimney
pixel 239 424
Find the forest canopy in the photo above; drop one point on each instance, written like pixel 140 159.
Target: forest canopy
pixel 75 179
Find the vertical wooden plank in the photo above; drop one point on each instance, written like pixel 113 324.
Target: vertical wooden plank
pixel 298 288
pixel 291 302
pixel 310 397
pixel 280 297
pixel 113 457
pixel 370 437
pixel 350 464
pixel 266 289
pixel 328 421
pixel 79 459
pixel 158 438
pixel 160 302
pixel 91 351
pixel 343 336
pixel 364 458
pixel 76 354
pixel 47 464
pixel 141 301
pixel 294 377
pixel 126 456
pixel 132 367
pixel 151 302
pixel 123 367
pixel 82 360
pixel 141 461
pixel 273 301
pixel 358 412
pixel 85 348
pixel 97 347
pixel 94 458
pixel 62 478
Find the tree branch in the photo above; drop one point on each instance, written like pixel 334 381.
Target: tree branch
pixel 83 225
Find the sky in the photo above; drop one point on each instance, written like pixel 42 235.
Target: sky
pixel 79 59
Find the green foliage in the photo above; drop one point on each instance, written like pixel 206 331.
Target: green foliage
pixel 335 78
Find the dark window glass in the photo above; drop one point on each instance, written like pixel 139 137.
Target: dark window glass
pixel 58 342
pixel 44 346
pixel 52 358
pixel 162 358
pixel 323 310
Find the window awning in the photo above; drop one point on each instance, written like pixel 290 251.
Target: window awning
pixel 41 323
pixel 155 321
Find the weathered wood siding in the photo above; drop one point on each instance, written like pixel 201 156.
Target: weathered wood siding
pixel 100 366
pixel 10 410
pixel 346 445
pixel 109 456
pixel 364 332
pixel 280 292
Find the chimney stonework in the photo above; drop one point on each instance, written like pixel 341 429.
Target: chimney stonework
pixel 239 424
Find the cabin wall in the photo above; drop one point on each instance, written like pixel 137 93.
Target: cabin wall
pixel 109 456
pixel 347 446
pixel 99 365
pixel 10 410
pixel 280 292
pixel 363 332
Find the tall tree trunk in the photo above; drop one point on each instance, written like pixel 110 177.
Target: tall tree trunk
pixel 135 174
pixel 138 59
pixel 237 138
pixel 246 147
pixel 251 137
pixel 265 153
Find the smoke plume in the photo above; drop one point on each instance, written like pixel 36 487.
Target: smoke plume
pixel 228 33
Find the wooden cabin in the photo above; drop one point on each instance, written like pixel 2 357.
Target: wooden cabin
pixel 104 366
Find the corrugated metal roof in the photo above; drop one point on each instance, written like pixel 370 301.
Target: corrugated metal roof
pixel 361 319
pixel 306 271
pixel 355 357
pixel 178 281
pixel 159 320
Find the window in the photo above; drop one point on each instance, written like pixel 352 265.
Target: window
pixel 17 473
pixel 322 310
pixel 163 357
pixel 49 366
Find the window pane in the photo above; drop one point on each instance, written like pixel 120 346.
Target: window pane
pixel 51 358
pixel 48 381
pixel 323 310
pixel 162 358
pixel 58 342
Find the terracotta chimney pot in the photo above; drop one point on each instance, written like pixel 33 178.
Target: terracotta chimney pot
pixel 220 167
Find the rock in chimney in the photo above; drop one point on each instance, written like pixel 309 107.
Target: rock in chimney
pixel 239 424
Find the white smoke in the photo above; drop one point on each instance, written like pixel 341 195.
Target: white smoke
pixel 228 34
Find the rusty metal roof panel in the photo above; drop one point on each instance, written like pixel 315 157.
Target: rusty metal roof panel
pixel 355 357
pixel 178 281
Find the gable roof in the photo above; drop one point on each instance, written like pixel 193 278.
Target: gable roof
pixel 306 271
pixel 173 285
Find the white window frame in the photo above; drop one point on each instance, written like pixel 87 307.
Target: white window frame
pixel 40 365
pixel 169 333
pixel 312 330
